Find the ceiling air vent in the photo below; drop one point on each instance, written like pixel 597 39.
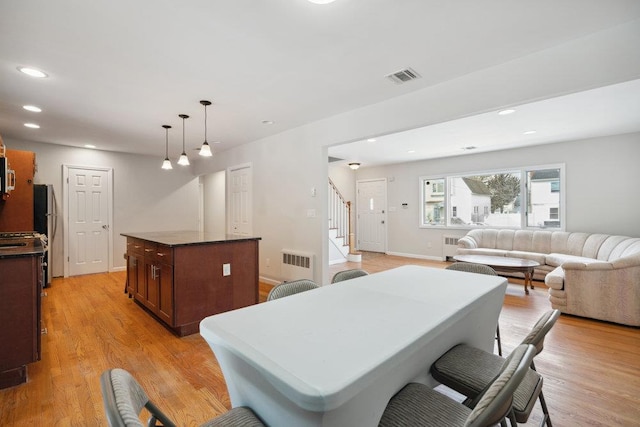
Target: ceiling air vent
pixel 403 76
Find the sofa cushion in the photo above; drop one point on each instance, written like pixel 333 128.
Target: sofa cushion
pixel 632 249
pixel 555 279
pixel 558 298
pixel 481 251
pixel 608 246
pixel 505 239
pixel 540 258
pixel 559 259
pixel 592 245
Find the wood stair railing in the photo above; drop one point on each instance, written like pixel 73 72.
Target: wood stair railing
pixel 340 215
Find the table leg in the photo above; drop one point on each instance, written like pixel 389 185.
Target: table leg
pixel 531 278
pixel 528 281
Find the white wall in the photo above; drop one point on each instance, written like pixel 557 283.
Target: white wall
pixel 145 197
pixel 288 165
pixel 602 176
pixel 214 188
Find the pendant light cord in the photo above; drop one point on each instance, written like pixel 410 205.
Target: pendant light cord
pixel 166 146
pixel 205 123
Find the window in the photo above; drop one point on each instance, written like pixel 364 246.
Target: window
pixel 433 206
pixel 528 197
pixel 543 198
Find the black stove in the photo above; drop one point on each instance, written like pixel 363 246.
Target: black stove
pixel 14 238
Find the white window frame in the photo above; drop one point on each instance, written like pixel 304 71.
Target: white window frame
pixel 523 196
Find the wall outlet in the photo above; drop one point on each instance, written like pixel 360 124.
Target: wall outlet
pixel 226 269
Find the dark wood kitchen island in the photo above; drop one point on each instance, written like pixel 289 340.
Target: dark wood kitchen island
pixel 181 277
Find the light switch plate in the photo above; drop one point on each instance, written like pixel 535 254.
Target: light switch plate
pixel 226 269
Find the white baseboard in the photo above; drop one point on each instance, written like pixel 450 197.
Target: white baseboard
pixel 269 280
pixel 430 258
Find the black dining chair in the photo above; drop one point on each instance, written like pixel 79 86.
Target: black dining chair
pixel 124 399
pixel 468 370
pixel 420 405
pixel 285 289
pixel 341 276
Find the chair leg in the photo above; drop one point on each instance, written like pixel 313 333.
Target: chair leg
pixel 498 339
pixel 546 418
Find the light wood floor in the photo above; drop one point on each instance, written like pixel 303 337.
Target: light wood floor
pixel 591 369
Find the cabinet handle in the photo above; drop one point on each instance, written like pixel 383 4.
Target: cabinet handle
pixel 148 250
pixel 160 254
pixel 136 246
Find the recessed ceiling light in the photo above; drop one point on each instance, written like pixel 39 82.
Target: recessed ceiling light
pixel 267 122
pixel 32 125
pixel 411 151
pixel 32 72
pixel 505 112
pixel 529 132
pixel 89 146
pixel 321 1
pixel 32 108
pixel 371 140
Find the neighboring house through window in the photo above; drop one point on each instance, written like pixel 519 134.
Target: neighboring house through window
pixel 516 198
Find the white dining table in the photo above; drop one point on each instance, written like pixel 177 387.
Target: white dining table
pixel 334 356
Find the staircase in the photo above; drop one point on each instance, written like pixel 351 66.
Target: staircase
pixel 340 236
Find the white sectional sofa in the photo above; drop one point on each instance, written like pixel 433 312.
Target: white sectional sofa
pixel 590 275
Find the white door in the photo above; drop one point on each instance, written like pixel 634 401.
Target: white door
pixel 372 215
pixel 88 232
pixel 240 200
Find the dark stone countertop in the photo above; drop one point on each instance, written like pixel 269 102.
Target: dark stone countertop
pixel 20 246
pixel 185 238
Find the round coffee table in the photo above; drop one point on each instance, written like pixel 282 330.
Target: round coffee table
pixel 504 264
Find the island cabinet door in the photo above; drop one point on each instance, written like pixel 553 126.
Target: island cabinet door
pixel 152 283
pixel 140 286
pixel 19 318
pixel 164 311
pixel 133 265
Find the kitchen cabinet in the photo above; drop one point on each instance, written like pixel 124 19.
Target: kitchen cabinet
pixel 150 277
pixel 20 308
pixel 16 209
pixel 179 277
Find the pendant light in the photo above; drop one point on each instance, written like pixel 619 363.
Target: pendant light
pixel 205 150
pixel 167 163
pixel 183 160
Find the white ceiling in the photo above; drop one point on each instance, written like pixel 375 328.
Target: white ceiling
pixel 608 110
pixel 120 69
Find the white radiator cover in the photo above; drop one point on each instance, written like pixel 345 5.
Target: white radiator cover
pixel 449 246
pixel 296 265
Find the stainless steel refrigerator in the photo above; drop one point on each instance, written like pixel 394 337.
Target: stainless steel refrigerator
pixel 44 221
